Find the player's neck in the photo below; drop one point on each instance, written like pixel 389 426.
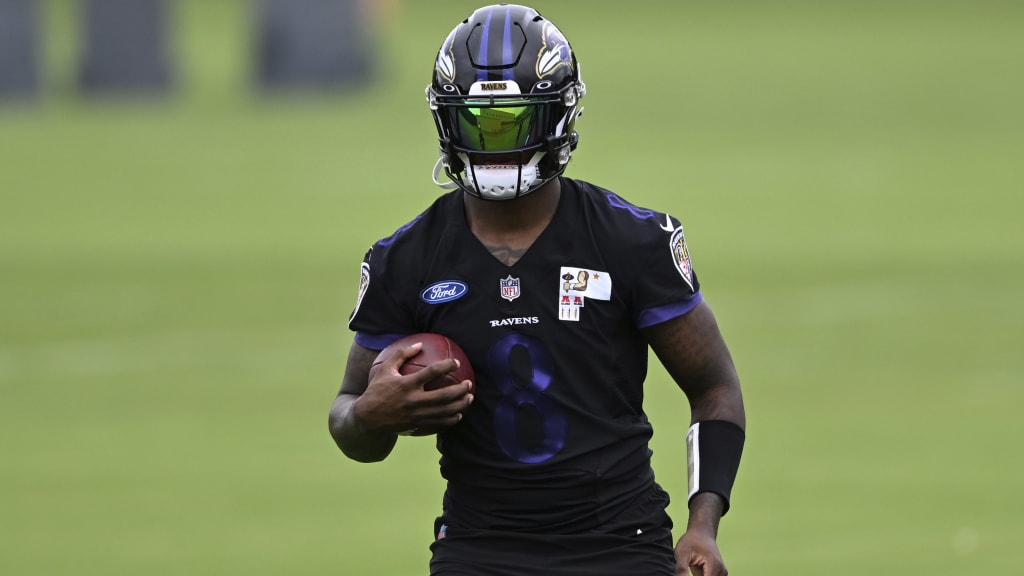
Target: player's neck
pixel 511 226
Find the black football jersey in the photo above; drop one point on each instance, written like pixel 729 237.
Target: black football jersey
pixel 556 438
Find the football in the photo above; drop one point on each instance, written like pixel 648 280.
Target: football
pixel 435 348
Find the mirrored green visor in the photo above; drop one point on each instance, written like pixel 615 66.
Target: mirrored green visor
pixel 502 126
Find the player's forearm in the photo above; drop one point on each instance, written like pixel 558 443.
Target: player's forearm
pixel 354 440
pixel 706 511
pixel 722 400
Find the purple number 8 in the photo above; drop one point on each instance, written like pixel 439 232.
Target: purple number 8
pixel 517 395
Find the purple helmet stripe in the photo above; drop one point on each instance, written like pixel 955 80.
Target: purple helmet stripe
pixel 506 48
pixel 481 75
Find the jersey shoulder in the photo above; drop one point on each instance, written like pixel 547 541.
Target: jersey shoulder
pixel 648 244
pixel 392 265
pixel 410 241
pixel 621 221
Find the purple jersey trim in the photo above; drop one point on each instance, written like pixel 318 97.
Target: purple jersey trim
pixel 659 314
pixel 376 341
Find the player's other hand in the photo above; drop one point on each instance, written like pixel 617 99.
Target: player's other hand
pixel 399 404
pixel 697 554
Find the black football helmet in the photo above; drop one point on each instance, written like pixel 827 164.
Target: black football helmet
pixel 505 96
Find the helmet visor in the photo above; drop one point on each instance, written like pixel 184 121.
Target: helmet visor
pixel 510 126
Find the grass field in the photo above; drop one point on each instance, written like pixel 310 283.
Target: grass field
pixel 175 278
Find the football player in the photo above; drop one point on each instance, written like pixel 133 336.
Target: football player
pixel 555 288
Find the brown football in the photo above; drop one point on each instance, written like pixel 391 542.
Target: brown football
pixel 436 347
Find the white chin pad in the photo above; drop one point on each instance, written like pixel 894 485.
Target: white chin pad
pixel 501 182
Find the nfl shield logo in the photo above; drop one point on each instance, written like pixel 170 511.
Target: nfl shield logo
pixel 509 288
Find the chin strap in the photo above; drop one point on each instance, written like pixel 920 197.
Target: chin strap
pixel 438 169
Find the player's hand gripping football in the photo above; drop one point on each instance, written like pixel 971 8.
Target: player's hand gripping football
pixel 398 403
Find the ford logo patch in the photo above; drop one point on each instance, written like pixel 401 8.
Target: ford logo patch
pixel 444 291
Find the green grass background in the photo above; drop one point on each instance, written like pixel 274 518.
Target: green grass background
pixel 175 278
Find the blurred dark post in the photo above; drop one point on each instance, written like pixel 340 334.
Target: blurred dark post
pixel 19 54
pixel 311 44
pixel 125 47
